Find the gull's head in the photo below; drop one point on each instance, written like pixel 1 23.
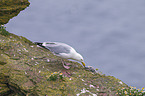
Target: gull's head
pixel 79 58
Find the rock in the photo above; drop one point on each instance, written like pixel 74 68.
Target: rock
pixel 11 8
pixel 25 71
pixel 28 70
pixel 91 69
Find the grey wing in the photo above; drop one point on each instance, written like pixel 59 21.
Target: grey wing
pixel 58 49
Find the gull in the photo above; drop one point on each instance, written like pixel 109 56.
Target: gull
pixel 62 50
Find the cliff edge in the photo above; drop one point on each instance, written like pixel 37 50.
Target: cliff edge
pixel 29 70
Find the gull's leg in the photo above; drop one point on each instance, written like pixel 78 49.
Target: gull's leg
pixel 65 65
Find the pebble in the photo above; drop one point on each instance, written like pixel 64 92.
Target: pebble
pixel 90 68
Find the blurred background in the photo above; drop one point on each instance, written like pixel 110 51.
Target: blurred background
pixel 110 34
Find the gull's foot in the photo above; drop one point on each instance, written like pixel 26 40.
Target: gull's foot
pixel 65 65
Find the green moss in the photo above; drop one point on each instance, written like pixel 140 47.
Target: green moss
pixel 3 86
pixel 2 61
pixel 3 31
pixel 4 90
pixel 29 67
pixel 26 40
pixel 11 8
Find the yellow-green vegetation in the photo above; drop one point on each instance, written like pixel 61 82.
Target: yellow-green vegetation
pixel 3 31
pixel 131 91
pixel 56 76
pixel 28 70
pixel 11 8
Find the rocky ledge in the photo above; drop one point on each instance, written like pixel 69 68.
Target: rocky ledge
pixel 29 70
pixel 11 8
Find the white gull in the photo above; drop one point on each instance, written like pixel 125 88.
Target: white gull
pixel 62 50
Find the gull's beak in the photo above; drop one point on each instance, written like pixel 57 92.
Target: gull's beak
pixel 83 64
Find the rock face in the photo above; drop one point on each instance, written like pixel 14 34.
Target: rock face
pixel 11 8
pixel 29 70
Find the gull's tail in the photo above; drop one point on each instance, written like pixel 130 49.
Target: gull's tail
pixel 38 43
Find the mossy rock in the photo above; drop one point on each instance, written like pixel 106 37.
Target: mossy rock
pixel 11 8
pixel 25 70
